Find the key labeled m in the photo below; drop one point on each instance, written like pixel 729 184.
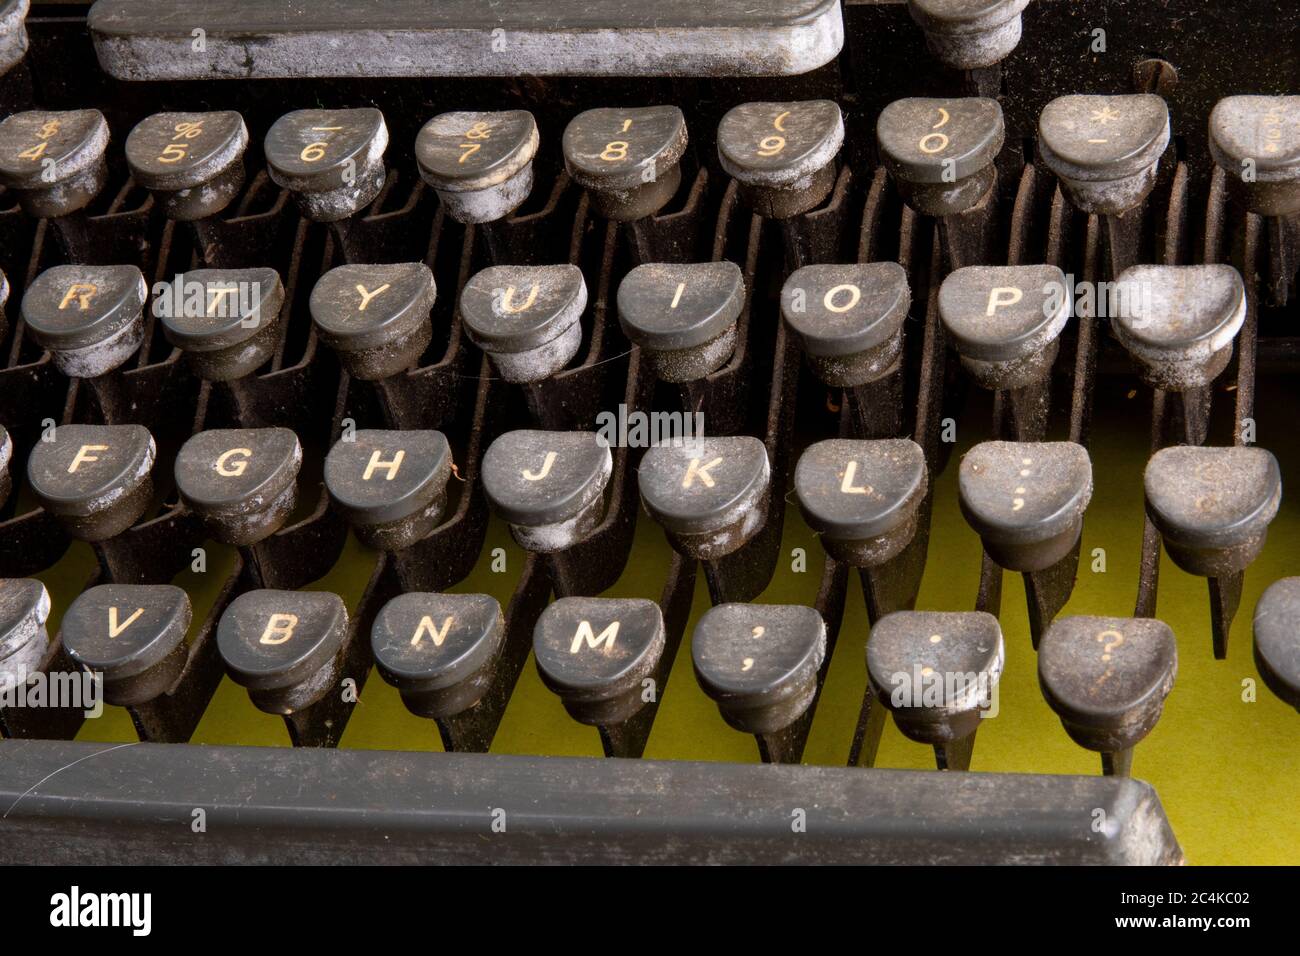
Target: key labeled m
pixel 585 634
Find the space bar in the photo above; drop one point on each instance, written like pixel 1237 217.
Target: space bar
pixel 274 39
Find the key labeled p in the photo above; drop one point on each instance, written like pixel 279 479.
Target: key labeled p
pixel 1002 296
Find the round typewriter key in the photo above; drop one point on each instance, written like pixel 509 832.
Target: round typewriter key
pixel 1105 150
pixel 682 316
pixel 1026 499
pixel 4 301
pixel 89 317
pixel 1107 679
pixel 1212 505
pixel 969 34
pixel 549 486
pixel 193 163
pixel 626 158
pixel 226 321
pixel 1005 321
pixel 392 485
pixel 283 646
pixel 1179 321
pixel 24 641
pixel 848 318
pixel 480 163
pixel 95 479
pixel 6 458
pixel 862 497
pixel 241 481
pixel 710 494
pixel 376 317
pixel 439 650
pixel 596 652
pixel 525 318
pixel 1255 140
pixel 54 161
pixel 331 160
pixel 132 634
pixel 13 33
pixel 1277 639
pixel 941 152
pixel 759 662
pixel 782 154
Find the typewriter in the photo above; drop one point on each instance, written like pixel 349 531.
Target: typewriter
pixel 586 431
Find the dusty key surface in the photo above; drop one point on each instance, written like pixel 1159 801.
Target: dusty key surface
pixel 24 641
pixel 376 316
pixel 480 163
pixel 1255 140
pixel 194 162
pixel 1277 639
pixel 683 315
pixel 969 34
pixel 391 485
pixel 525 317
pixel 227 321
pixel 89 317
pixel 1004 314
pixel 94 478
pixel 54 160
pixel 782 154
pixel 626 157
pixel 241 481
pixel 331 160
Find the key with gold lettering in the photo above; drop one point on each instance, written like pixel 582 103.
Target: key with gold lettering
pixel 782 154
pixel 762 665
pixel 193 163
pixel 1277 639
pixel 601 656
pixel 1026 502
pixel 969 34
pixel 937 673
pixel 1213 506
pixel 13 33
pixel 391 485
pixel 54 161
pixel 95 479
pixel 331 160
pixel 1107 679
pixel 1255 140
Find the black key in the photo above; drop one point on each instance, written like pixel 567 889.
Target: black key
pixel 782 154
pixel 969 34
pixel 331 160
pixel 1005 321
pixel 392 485
pixel 596 652
pixel 1107 679
pixel 627 158
pixel 375 316
pixel 1277 639
pixel 439 650
pixel 862 497
pixel 283 646
pixel 24 641
pixel 54 161
pixel 1255 140
pixel 711 495
pixel 480 163
pixel 227 321
pixel 1213 505
pixel 683 316
pixel 6 457
pixel 1179 321
pixel 941 151
pixel 759 662
pixel 938 674
pixel 1104 149
pixel 94 478
pixel 241 481
pixel 89 317
pixel 13 33
pixel 849 318
pixel 1026 499
pixel 193 163
pixel 549 486
pixel 525 318
pixel 132 634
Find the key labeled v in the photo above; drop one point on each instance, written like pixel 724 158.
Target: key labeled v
pixel 114 628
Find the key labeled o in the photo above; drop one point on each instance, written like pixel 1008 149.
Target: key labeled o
pixel 854 296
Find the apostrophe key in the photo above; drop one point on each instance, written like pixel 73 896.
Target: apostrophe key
pixel 1277 639
pixel 603 657
pixel 1026 501
pixel 1005 322
pixel 938 674
pixel 26 651
pixel 1107 679
pixel 763 665
pixel 91 319
pixel 969 34
pixel 1213 507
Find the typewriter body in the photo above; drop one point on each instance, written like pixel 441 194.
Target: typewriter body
pixel 571 432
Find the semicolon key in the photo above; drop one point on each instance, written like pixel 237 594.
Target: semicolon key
pixel 526 318
pixel 375 316
pixel 682 316
pixel 969 34
pixel 231 327
pixel 24 639
pixel 1277 639
pixel 54 161
pixel 1255 140
pixel 241 481
pixel 480 163
pixel 941 152
pixel 627 158
pixel 193 163
pixel 331 160
pixel 782 154
pixel 90 318
pixel 94 479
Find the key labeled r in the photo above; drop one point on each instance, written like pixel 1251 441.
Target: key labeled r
pixel 81 293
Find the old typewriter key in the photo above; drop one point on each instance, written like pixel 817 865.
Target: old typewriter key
pixel 937 673
pixel 1255 140
pixel 1107 679
pixel 1277 639
pixel 13 33
pixel 1026 501
pixel 940 153
pixel 761 664
pixel 1005 323
pixel 227 322
pixel 193 163
pixel 24 640
pixel 782 154
pixel 391 485
pixel 90 318
pixel 94 479
pixel 600 655
pixel 969 34
pixel 6 458
pixel 440 651
pixel 1213 507
pixel 682 316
